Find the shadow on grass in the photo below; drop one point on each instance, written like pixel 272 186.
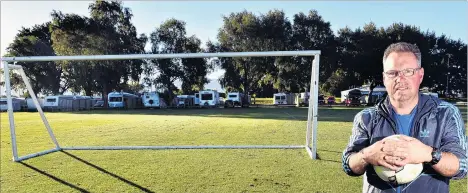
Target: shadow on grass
pixel 334 114
pixel 108 173
pixel 53 177
pixel 327 160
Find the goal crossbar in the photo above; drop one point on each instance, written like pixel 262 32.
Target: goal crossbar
pixel 311 130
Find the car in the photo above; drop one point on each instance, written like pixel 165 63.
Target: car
pixel 99 104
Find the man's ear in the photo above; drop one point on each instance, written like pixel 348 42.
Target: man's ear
pixel 421 73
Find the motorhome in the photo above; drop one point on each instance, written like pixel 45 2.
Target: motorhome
pixel 123 100
pixel 209 98
pixel 283 99
pixel 234 99
pixel 151 100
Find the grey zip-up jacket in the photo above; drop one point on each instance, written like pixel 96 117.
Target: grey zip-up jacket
pixel 436 123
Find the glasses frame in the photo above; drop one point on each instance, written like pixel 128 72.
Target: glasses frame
pixel 408 72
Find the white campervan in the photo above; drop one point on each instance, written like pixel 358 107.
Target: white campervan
pixel 151 100
pixel 283 99
pixel 122 100
pixel 237 99
pixel 17 103
pixel 209 98
pixel 32 106
pixel 58 102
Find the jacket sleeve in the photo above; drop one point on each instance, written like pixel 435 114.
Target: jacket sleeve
pixel 454 138
pixel 358 140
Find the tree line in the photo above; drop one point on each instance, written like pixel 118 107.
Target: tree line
pixel 349 58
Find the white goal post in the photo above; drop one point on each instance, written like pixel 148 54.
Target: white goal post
pixel 311 132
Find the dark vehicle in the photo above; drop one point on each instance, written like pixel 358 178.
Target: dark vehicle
pixel 353 98
pixel 321 100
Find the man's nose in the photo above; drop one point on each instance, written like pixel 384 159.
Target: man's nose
pixel 400 76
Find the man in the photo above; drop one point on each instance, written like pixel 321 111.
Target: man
pixel 433 131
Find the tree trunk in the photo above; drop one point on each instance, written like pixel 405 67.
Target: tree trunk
pixel 104 95
pixel 370 99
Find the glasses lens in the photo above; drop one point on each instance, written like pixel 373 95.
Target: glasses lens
pixel 392 74
pixel 408 72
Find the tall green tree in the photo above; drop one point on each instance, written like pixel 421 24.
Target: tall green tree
pixel 166 39
pixel 312 32
pixel 194 69
pixel 108 30
pixel 45 77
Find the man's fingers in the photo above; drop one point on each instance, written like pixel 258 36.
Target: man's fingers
pixel 406 138
pixel 400 153
pixel 401 162
pixel 394 147
pixel 387 165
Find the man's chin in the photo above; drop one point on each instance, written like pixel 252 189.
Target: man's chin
pixel 400 97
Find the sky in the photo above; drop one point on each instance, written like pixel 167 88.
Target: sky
pixel 204 18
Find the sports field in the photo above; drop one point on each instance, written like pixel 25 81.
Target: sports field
pixel 212 170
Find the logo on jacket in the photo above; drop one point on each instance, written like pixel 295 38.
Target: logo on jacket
pixel 424 133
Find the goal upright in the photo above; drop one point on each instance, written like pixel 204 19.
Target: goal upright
pixel 311 129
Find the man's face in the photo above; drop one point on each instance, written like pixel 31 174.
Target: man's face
pixel 400 87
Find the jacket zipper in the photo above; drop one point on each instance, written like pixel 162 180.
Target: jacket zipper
pixel 392 123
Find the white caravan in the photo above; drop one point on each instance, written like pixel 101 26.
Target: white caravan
pixel 237 99
pixel 32 106
pixel 122 100
pixel 151 100
pixel 303 99
pixel 209 98
pixel 58 102
pixel 283 99
pixel 17 103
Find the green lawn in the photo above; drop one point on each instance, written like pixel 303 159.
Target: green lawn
pixel 213 170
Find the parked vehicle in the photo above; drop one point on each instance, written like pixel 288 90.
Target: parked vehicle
pixel 237 99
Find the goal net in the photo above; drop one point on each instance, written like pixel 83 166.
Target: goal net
pixel 310 142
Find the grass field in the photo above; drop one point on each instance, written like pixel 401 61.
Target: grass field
pixel 213 170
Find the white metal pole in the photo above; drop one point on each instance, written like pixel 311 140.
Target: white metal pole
pixel 161 56
pixel 311 104
pixel 316 68
pixel 38 106
pixel 6 72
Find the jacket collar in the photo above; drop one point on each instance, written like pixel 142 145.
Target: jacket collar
pixel 425 104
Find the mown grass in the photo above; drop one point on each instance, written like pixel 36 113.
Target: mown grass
pixel 212 170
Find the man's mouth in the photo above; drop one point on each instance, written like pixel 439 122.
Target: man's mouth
pixel 401 88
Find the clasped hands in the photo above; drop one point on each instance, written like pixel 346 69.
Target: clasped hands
pixel 394 154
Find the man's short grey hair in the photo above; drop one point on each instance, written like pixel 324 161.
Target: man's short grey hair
pixel 403 47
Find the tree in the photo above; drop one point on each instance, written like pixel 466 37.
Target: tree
pixel 194 69
pixel 166 39
pixel 312 32
pixel 16 81
pixel 246 32
pixel 108 31
pixel 45 77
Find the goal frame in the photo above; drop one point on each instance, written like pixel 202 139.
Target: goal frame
pixel 311 130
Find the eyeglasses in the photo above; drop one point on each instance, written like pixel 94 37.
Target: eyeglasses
pixel 406 72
